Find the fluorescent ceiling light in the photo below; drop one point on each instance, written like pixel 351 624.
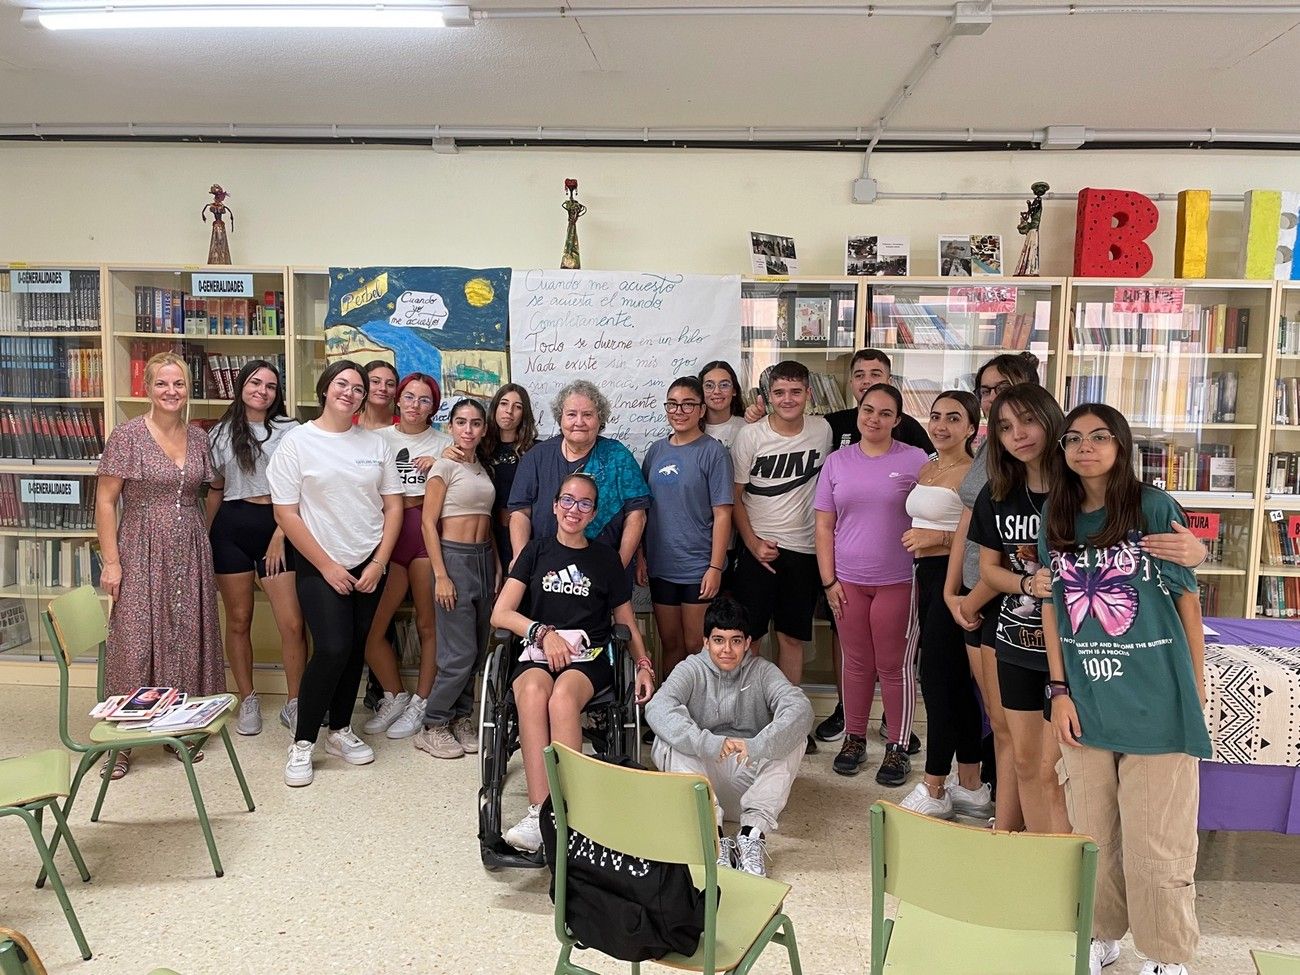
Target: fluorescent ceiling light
pixel 182 17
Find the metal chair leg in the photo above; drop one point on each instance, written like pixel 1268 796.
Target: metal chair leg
pixel 103 784
pixel 56 882
pixel 87 762
pixel 63 830
pixel 239 771
pixel 202 811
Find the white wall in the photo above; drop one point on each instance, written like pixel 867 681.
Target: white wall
pixel 685 210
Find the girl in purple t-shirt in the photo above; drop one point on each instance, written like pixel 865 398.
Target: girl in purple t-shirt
pixel 861 506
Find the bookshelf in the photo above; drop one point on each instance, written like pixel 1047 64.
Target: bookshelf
pixel 308 301
pixel 218 318
pixel 1276 587
pixel 1187 363
pixel 53 385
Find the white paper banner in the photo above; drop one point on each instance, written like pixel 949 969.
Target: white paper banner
pixel 631 333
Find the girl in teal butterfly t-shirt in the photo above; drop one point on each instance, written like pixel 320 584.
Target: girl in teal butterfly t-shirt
pixel 1125 652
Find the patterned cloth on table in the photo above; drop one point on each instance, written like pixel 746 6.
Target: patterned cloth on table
pixel 1253 712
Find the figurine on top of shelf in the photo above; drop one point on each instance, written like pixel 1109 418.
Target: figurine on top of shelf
pixel 219 248
pixel 572 260
pixel 1030 217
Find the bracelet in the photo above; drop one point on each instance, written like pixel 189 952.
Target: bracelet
pixel 532 632
pixel 716 567
pixel 646 664
pixel 1058 683
pixel 831 583
pixel 543 631
pixel 383 566
pixel 1023 591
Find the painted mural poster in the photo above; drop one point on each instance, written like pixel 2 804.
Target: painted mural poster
pixel 449 322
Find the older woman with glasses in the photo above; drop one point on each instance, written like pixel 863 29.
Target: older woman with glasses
pixel 689 524
pixel 562 596
pixel 581 411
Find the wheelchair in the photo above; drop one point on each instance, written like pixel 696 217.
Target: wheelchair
pixel 611 722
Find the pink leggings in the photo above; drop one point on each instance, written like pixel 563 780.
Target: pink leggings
pixel 873 638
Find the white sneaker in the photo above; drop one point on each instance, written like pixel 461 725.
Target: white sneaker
pixel 1163 968
pixel 390 709
pixel 728 855
pixel 346 745
pixel 919 800
pixel 439 742
pixel 409 722
pixel 751 853
pixel 466 731
pixel 289 714
pixel 298 771
pixel 527 835
pixel 1101 954
pixel 975 803
pixel 249 721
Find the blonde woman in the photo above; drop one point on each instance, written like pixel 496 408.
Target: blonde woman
pixel 164 628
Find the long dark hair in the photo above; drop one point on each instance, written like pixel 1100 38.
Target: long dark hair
pixel 243 442
pixel 971 405
pixel 1005 472
pixel 525 436
pixel 470 403
pixel 737 401
pixel 1018 367
pixel 1123 489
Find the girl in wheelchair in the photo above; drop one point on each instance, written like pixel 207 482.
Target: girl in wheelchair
pixel 561 598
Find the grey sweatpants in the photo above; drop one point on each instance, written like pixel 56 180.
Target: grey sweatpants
pixel 752 794
pixel 462 630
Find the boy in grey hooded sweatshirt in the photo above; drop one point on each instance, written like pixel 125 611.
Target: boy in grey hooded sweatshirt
pixel 733 717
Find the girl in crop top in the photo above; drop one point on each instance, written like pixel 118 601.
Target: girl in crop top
pixel 415 446
pixel 954 725
pixel 457 524
pixel 247 545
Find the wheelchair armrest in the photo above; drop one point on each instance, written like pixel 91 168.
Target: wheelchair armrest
pixel 621 633
pixel 502 635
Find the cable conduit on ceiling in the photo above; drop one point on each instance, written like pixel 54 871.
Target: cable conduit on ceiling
pixel 896 10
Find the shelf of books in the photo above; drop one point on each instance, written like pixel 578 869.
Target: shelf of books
pixel 217 318
pixel 52 396
pixel 1186 363
pixel 308 300
pixel 1277 586
pixel 938 331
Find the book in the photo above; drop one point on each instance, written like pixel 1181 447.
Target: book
pixel 143 702
pixel 76 310
pixel 189 715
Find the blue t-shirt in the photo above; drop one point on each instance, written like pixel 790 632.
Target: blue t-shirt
pixel 686 483
pixel 1126 655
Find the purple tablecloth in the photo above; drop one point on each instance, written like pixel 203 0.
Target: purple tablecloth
pixel 1251 797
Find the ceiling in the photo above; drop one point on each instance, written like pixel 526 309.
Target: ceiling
pixel 1115 71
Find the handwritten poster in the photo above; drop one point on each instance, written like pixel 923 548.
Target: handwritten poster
pixel 631 333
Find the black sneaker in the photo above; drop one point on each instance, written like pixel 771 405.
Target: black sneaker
pixel 913 743
pixel 832 729
pixel 648 736
pixel 894 767
pixel 853 753
pixel 811 747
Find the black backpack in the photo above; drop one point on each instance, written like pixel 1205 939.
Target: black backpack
pixel 629 908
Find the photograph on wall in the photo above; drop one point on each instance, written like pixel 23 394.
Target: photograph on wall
pixel 772 254
pixel 954 257
pixel 872 256
pixel 449 322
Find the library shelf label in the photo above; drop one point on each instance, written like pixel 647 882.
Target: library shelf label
pixel 208 285
pixel 1203 524
pixel 40 281
pixel 1150 301
pixel 34 491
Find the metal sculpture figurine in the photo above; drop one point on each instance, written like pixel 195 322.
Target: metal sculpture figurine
pixel 1030 218
pixel 572 260
pixel 219 247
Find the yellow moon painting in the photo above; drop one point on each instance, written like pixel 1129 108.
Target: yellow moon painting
pixel 478 292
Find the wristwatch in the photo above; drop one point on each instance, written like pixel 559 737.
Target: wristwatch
pixel 1053 690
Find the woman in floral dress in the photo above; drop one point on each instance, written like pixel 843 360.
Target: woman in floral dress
pixel 164 628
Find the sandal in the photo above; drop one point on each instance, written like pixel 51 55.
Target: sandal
pixel 118 768
pixel 196 753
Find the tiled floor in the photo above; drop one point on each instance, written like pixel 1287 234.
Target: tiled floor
pixel 376 870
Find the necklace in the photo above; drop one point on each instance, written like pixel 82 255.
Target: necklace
pixel 933 475
pixel 1030 498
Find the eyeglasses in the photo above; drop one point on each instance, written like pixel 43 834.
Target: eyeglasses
pixel 686 407
pixel 1098 438
pixel 1001 387
pixel 568 502
pixel 410 399
pixel 719 387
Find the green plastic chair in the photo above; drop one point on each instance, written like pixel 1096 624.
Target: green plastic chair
pixel 76 627
pixel 28 785
pixel 1272 963
pixel 666 817
pixel 1029 914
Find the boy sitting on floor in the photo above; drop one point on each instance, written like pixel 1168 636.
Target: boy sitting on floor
pixel 732 717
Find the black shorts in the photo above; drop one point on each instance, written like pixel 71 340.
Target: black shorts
pixel 985 635
pixel 599 671
pixel 240 533
pixel 1021 687
pixel 665 593
pixel 786 598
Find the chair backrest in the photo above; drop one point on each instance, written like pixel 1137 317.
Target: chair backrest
pixel 652 815
pixel 1272 963
pixel 17 956
pixel 78 623
pixel 1031 882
